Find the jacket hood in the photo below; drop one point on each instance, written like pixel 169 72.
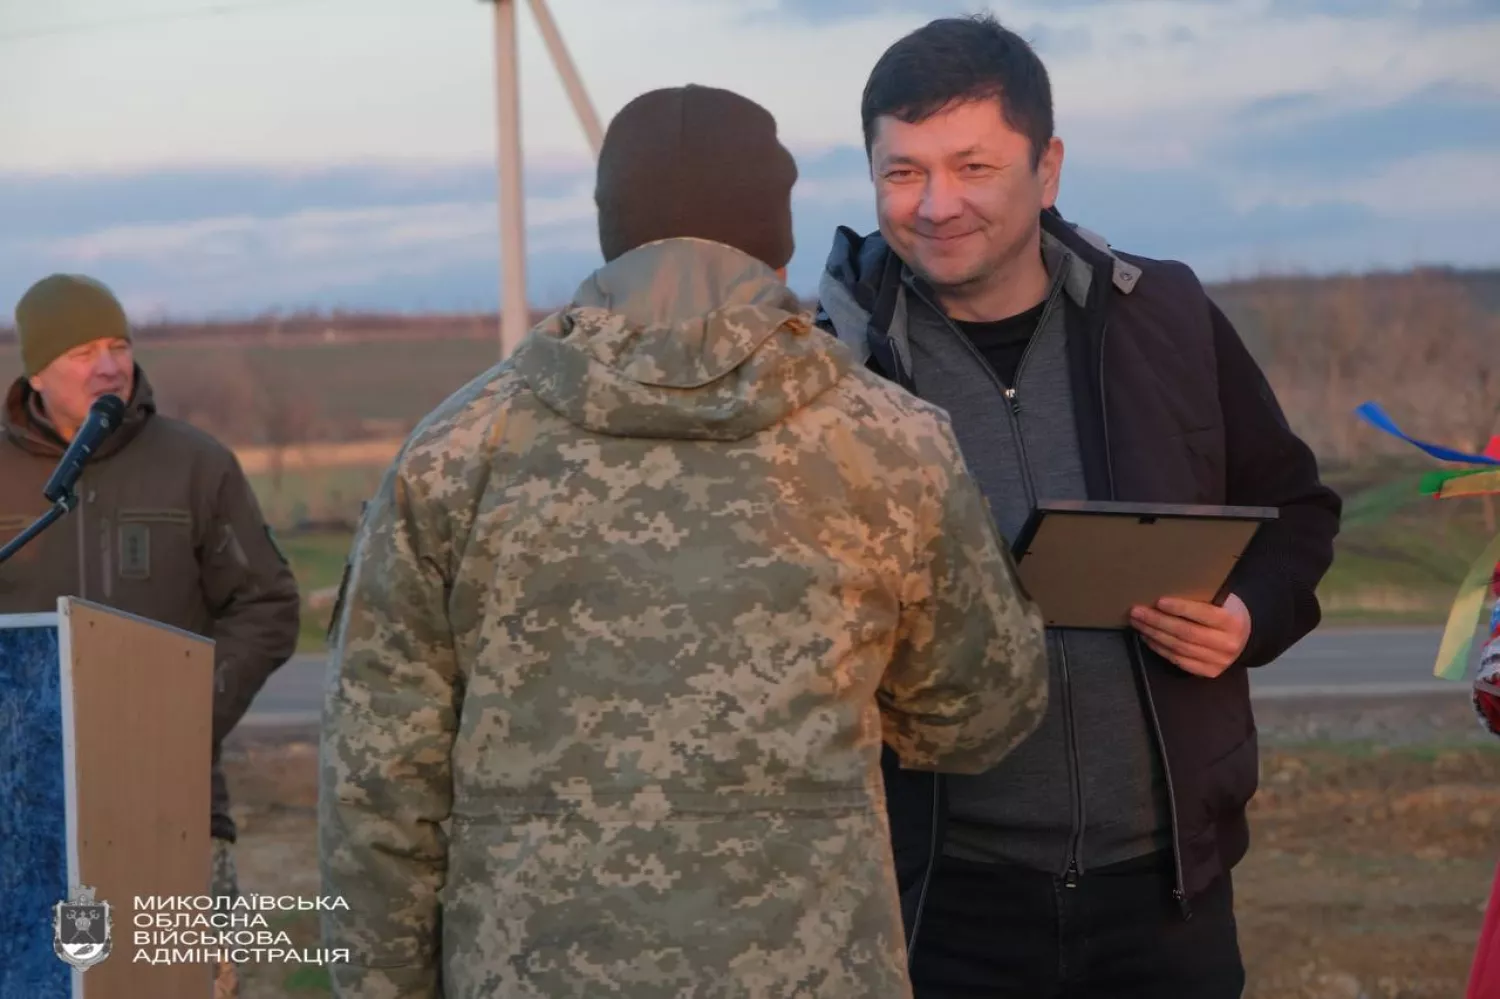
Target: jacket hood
pixel 863 280
pixel 681 338
pixel 27 427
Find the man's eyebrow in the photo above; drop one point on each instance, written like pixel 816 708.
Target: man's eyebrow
pixel 904 160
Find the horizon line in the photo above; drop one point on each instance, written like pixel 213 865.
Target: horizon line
pixel 169 323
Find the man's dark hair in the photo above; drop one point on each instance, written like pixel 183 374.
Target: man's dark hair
pixel 955 60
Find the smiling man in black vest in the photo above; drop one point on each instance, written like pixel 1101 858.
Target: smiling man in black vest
pixel 1096 859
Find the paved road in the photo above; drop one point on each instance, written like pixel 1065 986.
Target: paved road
pixel 1366 661
pixel 1375 662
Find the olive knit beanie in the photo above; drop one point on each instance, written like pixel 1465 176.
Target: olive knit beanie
pixel 64 311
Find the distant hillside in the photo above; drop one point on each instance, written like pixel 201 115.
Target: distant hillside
pixel 1425 342
pixel 1237 298
pixel 310 327
pixel 1244 302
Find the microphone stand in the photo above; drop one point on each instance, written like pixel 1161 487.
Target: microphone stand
pixel 62 507
pixel 104 417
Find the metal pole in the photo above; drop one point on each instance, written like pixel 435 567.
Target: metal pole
pixel 513 312
pixel 566 69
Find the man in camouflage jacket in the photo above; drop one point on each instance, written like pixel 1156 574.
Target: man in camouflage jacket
pixel 629 616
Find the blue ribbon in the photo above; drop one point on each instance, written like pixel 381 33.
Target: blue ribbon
pixel 1377 417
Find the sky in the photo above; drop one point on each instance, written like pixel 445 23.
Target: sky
pixel 216 158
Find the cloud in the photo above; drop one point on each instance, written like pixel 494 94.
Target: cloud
pixel 1233 134
pixel 434 249
pixel 1442 11
pixel 1307 137
pixel 242 242
pixel 1443 185
pixel 61 202
pixel 1439 208
pixel 824 12
pixel 246 261
pixel 1145 81
pixel 1163 83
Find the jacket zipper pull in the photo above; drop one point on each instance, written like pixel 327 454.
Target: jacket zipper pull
pixel 1015 401
pixel 1071 879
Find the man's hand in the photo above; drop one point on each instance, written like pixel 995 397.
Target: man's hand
pixel 1197 637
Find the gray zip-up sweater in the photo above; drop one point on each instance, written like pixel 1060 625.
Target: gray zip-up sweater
pixel 1087 789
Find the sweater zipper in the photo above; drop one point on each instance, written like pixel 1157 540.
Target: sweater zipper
pixel 1013 413
pixel 1009 391
pixel 1075 767
pixel 1013 409
pixel 1075 776
pixel 1179 892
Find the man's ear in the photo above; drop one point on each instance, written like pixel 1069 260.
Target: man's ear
pixel 1049 169
pixel 781 274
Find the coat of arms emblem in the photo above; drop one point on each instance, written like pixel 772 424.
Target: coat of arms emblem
pixel 80 929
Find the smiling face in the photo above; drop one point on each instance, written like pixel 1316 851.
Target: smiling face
pixel 959 196
pixel 73 381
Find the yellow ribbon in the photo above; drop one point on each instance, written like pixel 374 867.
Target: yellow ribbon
pixel 1480 484
pixel 1463 618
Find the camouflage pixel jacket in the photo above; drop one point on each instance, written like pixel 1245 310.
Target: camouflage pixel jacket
pixel 622 633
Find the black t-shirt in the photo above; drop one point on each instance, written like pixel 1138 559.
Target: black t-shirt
pixel 1003 341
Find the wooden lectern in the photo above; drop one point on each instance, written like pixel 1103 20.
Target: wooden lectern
pixel 105 743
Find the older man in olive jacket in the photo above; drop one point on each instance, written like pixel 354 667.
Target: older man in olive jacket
pixel 166 526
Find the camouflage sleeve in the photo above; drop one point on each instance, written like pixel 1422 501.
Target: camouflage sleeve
pixel 968 680
pixel 390 712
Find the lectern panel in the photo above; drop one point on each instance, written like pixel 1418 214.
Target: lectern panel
pixel 105 746
pixel 33 808
pixel 143 788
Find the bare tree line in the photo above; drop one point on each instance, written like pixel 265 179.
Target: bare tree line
pixel 247 398
pixel 1420 344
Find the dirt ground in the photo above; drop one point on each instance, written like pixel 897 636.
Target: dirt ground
pixel 1375 840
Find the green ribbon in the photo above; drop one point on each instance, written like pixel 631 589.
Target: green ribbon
pixel 1432 483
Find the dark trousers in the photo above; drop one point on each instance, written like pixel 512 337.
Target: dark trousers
pixel 1000 932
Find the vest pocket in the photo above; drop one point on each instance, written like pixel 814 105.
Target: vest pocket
pixel 141 533
pixel 1233 779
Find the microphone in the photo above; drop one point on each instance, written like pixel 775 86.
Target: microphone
pixel 104 418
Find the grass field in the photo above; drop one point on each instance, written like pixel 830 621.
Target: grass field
pixel 317 495
pixel 1400 556
pixel 318 561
